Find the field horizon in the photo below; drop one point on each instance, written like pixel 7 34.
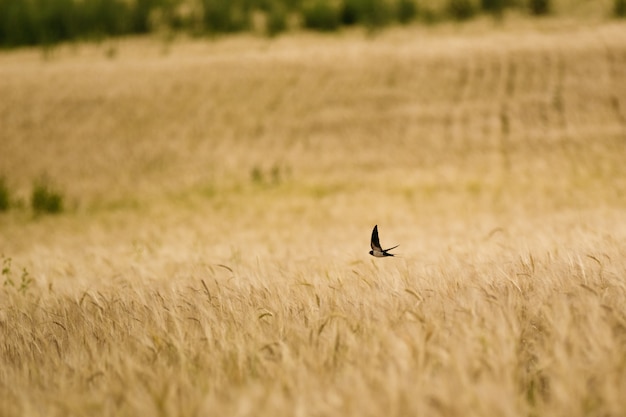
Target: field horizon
pixel 212 254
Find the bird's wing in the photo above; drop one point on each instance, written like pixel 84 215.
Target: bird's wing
pixel 375 244
pixel 391 248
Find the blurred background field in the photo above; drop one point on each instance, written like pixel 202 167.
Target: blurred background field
pixel 416 123
pixel 186 222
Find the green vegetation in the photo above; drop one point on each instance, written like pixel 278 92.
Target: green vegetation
pixel 406 11
pixel 276 20
pixel 321 15
pixel 461 9
pixel 25 279
pixel 539 7
pixel 619 8
pixel 47 22
pixel 371 13
pixel 37 22
pixel 274 175
pixel 5 197
pixel 225 16
pixel 45 199
pixel 495 7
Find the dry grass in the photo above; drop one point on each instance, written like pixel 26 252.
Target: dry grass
pixel 214 257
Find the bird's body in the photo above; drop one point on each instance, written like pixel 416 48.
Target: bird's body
pixel 377 250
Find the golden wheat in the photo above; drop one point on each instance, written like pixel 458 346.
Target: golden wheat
pixel 213 256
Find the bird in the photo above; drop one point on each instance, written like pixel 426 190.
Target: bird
pixel 377 250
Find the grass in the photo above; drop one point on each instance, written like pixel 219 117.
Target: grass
pixel 515 338
pixel 216 260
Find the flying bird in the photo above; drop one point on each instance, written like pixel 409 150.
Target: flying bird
pixel 377 250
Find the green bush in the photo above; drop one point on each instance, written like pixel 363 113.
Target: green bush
pixel 349 13
pixel 5 197
pixel 461 9
pixel 41 22
pixel 376 13
pixel 276 20
pixel 619 8
pixel 44 199
pixel 406 11
pixel 495 7
pixel 256 175
pixel 372 13
pixel 221 16
pixel 17 23
pixel 139 16
pixel 539 7
pixel 321 15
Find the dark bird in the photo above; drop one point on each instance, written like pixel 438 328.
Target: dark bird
pixel 377 250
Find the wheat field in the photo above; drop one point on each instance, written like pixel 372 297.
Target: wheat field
pixel 219 197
